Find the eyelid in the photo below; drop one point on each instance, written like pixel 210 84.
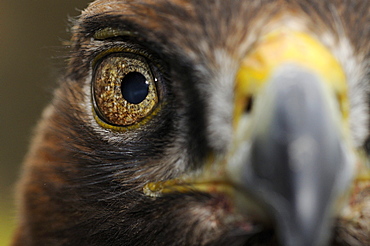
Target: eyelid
pixel 126 47
pixel 119 49
pixel 110 32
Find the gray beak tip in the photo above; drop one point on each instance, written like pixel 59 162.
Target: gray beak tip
pixel 297 159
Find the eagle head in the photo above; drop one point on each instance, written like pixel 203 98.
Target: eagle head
pixel 192 122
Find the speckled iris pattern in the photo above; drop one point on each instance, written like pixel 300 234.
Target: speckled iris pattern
pixel 110 105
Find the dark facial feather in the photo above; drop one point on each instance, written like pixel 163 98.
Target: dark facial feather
pixel 82 185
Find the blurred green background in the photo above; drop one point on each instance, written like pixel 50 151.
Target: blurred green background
pixel 31 51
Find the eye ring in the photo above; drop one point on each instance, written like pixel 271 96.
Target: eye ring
pixel 124 90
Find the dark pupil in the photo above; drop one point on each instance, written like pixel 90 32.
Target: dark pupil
pixel 134 87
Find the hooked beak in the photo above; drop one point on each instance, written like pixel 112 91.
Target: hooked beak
pixel 291 157
pixel 297 159
pixel 297 162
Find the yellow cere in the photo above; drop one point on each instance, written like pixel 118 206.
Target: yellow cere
pixel 282 47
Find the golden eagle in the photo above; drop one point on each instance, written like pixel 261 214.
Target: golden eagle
pixel 206 122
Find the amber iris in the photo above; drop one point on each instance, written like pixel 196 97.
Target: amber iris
pixel 124 89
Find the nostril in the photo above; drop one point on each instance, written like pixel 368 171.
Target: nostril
pixel 249 104
pixel 340 103
pixel 367 146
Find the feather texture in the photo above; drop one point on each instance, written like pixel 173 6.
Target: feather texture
pixel 82 184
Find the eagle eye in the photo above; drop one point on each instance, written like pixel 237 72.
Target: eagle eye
pixel 124 89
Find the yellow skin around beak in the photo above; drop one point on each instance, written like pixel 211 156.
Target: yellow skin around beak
pixel 285 46
pixel 288 47
pixel 277 49
pixel 271 52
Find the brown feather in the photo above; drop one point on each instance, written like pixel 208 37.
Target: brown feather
pixel 79 188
